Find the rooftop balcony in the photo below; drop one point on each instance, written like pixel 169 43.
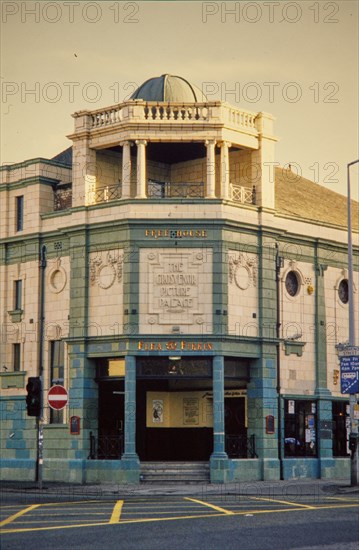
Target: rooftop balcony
pixel 169 150
pixel 193 119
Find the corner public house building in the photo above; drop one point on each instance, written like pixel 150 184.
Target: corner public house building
pixel 187 292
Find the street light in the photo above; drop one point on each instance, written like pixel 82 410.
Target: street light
pixel 352 398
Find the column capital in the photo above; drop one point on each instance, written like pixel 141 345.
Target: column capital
pixel 126 142
pixel 141 142
pixel 224 144
pixel 209 142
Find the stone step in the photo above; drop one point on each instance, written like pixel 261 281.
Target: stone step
pixel 184 472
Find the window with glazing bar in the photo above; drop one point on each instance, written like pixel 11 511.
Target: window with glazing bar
pixel 19 213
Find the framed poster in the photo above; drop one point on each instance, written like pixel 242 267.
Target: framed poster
pixel 190 411
pixel 157 411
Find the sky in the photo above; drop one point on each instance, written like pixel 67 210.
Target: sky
pixel 295 60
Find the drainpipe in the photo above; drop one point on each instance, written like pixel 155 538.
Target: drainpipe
pixel 40 419
pixel 278 266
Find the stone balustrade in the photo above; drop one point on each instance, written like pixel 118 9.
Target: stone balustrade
pixel 168 113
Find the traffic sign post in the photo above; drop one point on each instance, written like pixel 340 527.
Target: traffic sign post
pixel 57 397
pixel 349 382
pixel 349 374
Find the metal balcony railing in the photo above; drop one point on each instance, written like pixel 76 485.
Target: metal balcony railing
pixel 63 197
pixel 107 193
pixel 168 190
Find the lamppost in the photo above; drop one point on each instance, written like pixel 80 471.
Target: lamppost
pixel 352 398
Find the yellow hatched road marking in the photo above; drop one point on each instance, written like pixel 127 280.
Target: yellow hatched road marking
pixel 296 504
pixel 21 513
pixel 116 513
pixel 202 516
pixel 218 508
pixel 346 499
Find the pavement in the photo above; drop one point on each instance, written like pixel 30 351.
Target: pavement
pixel 295 488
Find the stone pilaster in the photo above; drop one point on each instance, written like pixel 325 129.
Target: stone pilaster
pixel 324 404
pixel 83 174
pixel 263 162
pixel 262 389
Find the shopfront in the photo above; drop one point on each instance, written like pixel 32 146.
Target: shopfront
pixel 174 408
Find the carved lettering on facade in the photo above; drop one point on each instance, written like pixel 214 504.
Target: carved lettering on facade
pixel 174 282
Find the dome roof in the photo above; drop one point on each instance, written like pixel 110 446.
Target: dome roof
pixel 169 88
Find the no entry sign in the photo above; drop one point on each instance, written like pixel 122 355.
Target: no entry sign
pixel 57 397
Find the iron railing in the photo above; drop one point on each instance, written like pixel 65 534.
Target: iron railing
pixel 107 193
pixel 168 190
pixel 241 446
pixel 63 197
pixel 111 447
pixel 106 447
pixel 155 190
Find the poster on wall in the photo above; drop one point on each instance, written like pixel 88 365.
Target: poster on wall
pixel 190 411
pixel 157 411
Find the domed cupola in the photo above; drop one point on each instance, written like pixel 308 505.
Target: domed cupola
pixel 169 88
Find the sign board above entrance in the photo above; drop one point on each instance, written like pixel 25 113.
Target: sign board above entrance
pixel 176 233
pixel 172 345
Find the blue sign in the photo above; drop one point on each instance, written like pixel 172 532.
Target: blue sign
pixel 349 374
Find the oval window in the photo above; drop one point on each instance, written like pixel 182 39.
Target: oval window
pixel 292 283
pixel 343 291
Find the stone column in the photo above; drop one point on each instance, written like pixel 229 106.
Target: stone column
pixel 218 408
pixel 126 169
pixel 225 191
pixel 220 470
pixel 130 409
pixel 211 170
pixel 141 169
pixel 130 463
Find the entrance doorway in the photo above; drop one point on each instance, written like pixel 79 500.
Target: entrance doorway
pixel 170 421
pixel 111 419
pixel 236 443
pixel 234 414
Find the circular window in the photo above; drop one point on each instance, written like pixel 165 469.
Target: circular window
pixel 343 291
pixel 292 283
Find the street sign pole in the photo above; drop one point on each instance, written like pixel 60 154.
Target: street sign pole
pixel 352 400
pixel 40 419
